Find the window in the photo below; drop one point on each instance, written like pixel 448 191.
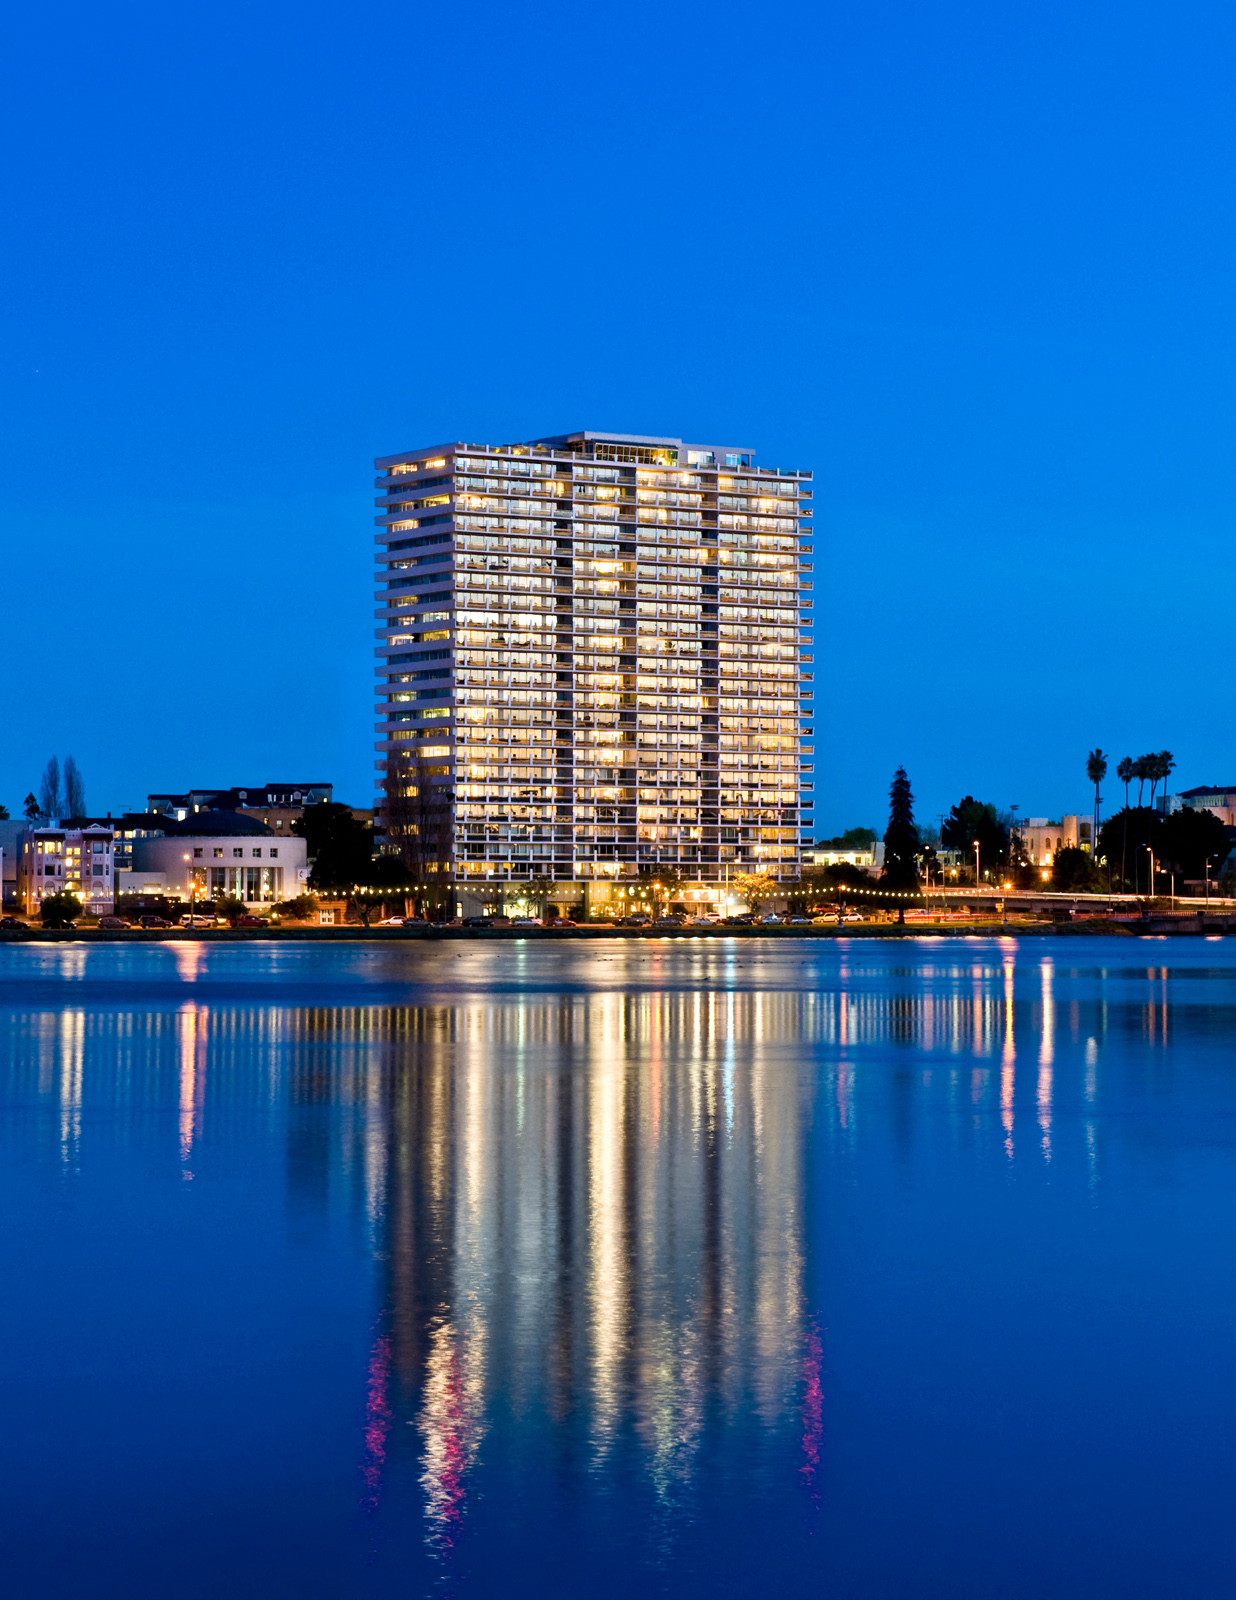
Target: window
pixel 238 855
pixel 218 854
pixel 98 847
pixel 257 852
pixel 197 852
pixel 273 854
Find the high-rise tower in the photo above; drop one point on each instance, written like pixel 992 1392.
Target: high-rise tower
pixel 590 660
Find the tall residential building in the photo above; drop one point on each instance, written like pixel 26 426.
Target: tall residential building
pixel 591 645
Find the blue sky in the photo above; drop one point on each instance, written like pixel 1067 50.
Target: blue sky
pixel 971 263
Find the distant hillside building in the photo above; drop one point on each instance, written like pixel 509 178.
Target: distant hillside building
pixel 1219 798
pixel 283 800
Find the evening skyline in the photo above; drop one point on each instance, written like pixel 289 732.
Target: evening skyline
pixel 969 269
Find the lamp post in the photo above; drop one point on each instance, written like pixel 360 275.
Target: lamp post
pixel 976 865
pixel 189 869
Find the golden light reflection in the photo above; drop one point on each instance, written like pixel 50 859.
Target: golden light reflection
pixel 1008 1062
pixel 72 1046
pixel 192 1085
pixel 1047 1055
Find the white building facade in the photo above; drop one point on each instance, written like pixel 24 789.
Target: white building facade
pixel 258 869
pixel 1042 839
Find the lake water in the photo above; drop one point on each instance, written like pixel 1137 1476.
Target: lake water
pixel 693 1268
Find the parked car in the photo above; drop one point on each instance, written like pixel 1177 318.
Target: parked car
pixel 637 919
pixel 673 919
pixel 525 922
pixel 250 921
pixel 744 919
pixel 153 922
pixel 477 922
pixel 560 922
pixel 392 922
pixel 113 924
pixel 15 922
pixel 192 919
pixel 798 922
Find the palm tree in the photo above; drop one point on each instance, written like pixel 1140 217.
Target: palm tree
pixel 1166 764
pixel 1096 771
pixel 1141 771
pixel 1124 771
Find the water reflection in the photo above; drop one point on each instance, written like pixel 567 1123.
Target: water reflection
pixel 587 1211
pixel 625 1240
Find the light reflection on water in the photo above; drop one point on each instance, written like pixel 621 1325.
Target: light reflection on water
pixel 613 1205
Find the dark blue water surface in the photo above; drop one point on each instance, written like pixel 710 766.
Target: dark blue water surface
pixel 696 1268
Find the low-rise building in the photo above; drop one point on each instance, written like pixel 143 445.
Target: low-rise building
pixel 1219 798
pixel 868 857
pixel 267 801
pixel 78 861
pixel 1042 839
pixel 11 830
pixel 258 868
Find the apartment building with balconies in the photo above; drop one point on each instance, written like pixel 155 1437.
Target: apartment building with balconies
pixel 591 648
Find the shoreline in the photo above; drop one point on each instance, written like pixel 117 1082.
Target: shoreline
pixel 1153 927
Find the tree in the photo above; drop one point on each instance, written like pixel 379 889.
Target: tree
pixel 301 906
pixel 1096 771
pixel 1135 825
pixel 1073 868
pixel 4 813
pixel 419 819
pixel 74 790
pixel 1190 839
pixel 539 889
pixel 30 807
pixel 972 821
pixel 60 910
pixel 230 907
pixel 1141 771
pixel 340 848
pixel 51 801
pixel 854 839
pixel 665 878
pixel 900 838
pixel 753 886
pixel 841 875
pixel 1126 771
pixel 1164 765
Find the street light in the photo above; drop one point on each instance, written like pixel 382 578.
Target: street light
pixel 189 869
pixel 976 863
